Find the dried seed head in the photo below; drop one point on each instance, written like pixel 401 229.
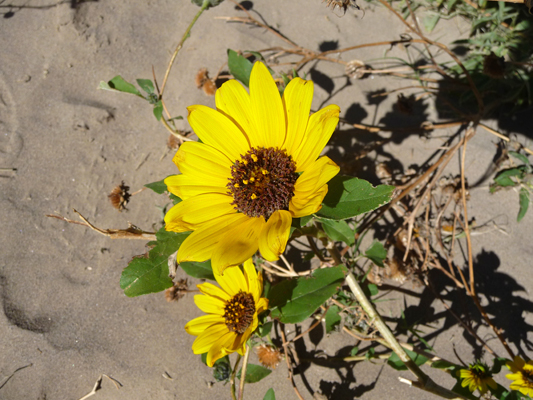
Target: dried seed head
pixel 342 4
pixel 209 87
pixel 494 66
pixel 173 142
pixel 268 355
pixel 201 77
pixel 177 291
pixel 119 196
pixel 355 69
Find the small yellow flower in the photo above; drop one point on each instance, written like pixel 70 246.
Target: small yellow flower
pixel 477 376
pixel 256 168
pixel 231 311
pixel 522 375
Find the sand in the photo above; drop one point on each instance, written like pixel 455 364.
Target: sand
pixel 64 316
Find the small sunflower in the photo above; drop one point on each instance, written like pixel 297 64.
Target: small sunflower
pixel 231 311
pixel 477 376
pixel 522 375
pixel 256 168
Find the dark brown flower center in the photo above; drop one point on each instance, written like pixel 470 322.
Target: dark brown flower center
pixel 239 312
pixel 262 182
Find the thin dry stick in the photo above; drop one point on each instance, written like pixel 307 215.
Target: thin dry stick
pixel 471 262
pixel 204 7
pixel 287 359
pixel 503 137
pixel 318 322
pixel 98 384
pixel 243 372
pixel 131 233
pixel 14 372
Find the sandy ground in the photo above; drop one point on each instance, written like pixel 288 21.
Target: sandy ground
pixel 64 314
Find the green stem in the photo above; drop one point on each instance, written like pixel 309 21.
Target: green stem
pixel 205 6
pixel 425 382
pixel 233 375
pixel 243 372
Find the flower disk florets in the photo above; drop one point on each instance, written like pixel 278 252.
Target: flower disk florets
pixel 239 312
pixel 262 182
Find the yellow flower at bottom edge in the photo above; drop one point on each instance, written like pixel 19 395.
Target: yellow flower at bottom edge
pixel 231 311
pixel 256 168
pixel 477 377
pixel 522 375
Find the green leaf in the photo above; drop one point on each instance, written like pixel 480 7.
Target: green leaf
pixel 430 21
pixel 210 3
pixel 175 199
pixel 158 110
pixel 269 395
pixel 240 67
pixel 305 220
pixel 376 253
pixel 524 203
pixel 348 197
pixel 520 157
pixel 373 289
pixel 332 318
pixel 293 301
pixel 264 329
pixel 118 83
pixel 200 270
pixel 146 85
pixel 395 362
pixel 338 231
pixel 159 187
pixel 254 373
pixel 150 274
pixel 441 364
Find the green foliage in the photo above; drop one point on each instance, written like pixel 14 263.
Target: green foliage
pixel 221 368
pixel 520 176
pixel 206 3
pixel 376 253
pixel 149 274
pixel 264 329
pixel 254 373
pixel 240 67
pixel 292 301
pixel 269 395
pixel 159 187
pixel 200 270
pixel 348 197
pixel 333 319
pixel 119 84
pixel 395 362
pixel 338 231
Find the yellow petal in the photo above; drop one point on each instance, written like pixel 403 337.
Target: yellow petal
pixel 267 109
pixel 200 244
pixel 238 244
pixel 319 129
pixel 192 213
pixel 200 324
pixel 212 290
pixel 185 186
pixel 220 349
pixel 252 282
pixel 307 206
pixel 200 159
pixel 232 281
pixel 261 305
pixel 218 131
pixel 297 99
pixel 208 338
pixel 209 305
pixel 275 234
pixel 234 102
pixel 315 176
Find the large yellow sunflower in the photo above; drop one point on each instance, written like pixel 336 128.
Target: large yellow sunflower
pixel 257 167
pixel 231 312
pixel 522 375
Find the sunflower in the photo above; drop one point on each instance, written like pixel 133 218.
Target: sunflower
pixel 522 375
pixel 231 311
pixel 256 168
pixel 477 376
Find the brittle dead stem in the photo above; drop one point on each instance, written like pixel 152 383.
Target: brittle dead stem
pixel 288 361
